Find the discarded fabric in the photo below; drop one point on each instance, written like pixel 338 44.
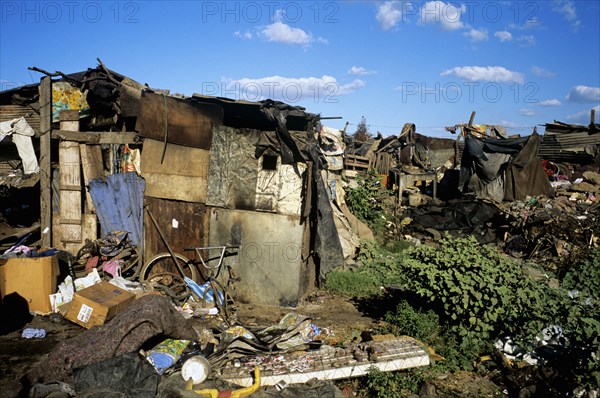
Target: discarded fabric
pixel 31 333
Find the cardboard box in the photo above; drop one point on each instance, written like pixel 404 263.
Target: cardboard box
pixel 33 278
pixel 97 304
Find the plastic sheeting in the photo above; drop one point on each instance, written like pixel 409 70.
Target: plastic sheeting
pixel 503 169
pixel 119 201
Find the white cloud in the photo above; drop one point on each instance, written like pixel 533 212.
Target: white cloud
pixel 496 74
pixel 567 9
pixel 503 35
pixel 348 88
pixel 245 35
pixel 538 71
pixel 388 14
pixel 531 23
pixel 360 71
pixel 444 14
pixel 527 112
pixel 526 40
pixel 550 102
pixel 584 94
pixel 281 33
pixel 476 35
pixel 290 89
pixel 583 117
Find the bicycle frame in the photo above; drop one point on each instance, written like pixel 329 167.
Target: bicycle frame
pixel 198 251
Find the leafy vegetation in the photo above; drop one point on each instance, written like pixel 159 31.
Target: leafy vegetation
pixel 461 296
pixel 379 267
pixel 367 200
pixel 472 295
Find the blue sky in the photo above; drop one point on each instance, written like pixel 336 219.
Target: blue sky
pixel 518 64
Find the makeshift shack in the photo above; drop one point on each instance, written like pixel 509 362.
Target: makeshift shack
pixel 213 171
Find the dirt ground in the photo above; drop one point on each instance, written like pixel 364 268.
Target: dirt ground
pixel 341 320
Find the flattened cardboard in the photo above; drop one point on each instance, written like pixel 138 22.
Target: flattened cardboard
pixel 97 304
pixel 33 278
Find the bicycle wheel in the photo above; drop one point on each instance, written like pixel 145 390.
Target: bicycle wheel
pixel 162 274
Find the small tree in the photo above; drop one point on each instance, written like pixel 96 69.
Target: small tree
pixel 362 131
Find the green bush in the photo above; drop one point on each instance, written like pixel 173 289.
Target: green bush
pixel 585 276
pixel 366 201
pixel 406 320
pixel 393 384
pixel 477 289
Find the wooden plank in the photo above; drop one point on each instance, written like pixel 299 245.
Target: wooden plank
pixel 188 122
pixel 182 176
pixel 70 205
pixel 70 182
pixel 165 186
pixel 70 233
pixel 92 166
pixel 56 231
pixel 89 227
pixel 45 102
pixel 179 160
pixel 63 243
pixel 96 137
pixel 69 162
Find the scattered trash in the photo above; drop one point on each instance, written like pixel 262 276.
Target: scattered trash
pixel 196 368
pixel 97 304
pixel 165 354
pixel 30 333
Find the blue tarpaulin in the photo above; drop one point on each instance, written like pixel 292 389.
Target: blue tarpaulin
pixel 119 201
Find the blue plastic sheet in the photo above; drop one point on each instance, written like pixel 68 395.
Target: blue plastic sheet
pixel 119 202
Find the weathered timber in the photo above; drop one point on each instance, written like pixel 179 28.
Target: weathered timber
pixel 97 137
pixel 45 101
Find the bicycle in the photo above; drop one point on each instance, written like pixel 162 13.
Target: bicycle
pixel 167 272
pixel 113 247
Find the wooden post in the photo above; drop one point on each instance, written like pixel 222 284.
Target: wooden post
pixel 471 119
pixel 45 102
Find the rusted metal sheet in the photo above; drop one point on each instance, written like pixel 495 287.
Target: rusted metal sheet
pixel 269 260
pixel 181 122
pixel 574 147
pixel 183 175
pixel 189 229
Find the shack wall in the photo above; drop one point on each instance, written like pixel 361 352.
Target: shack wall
pixel 182 174
pixel 269 261
pixel 189 230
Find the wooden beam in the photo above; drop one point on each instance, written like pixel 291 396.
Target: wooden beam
pixel 45 102
pixel 471 119
pixel 97 137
